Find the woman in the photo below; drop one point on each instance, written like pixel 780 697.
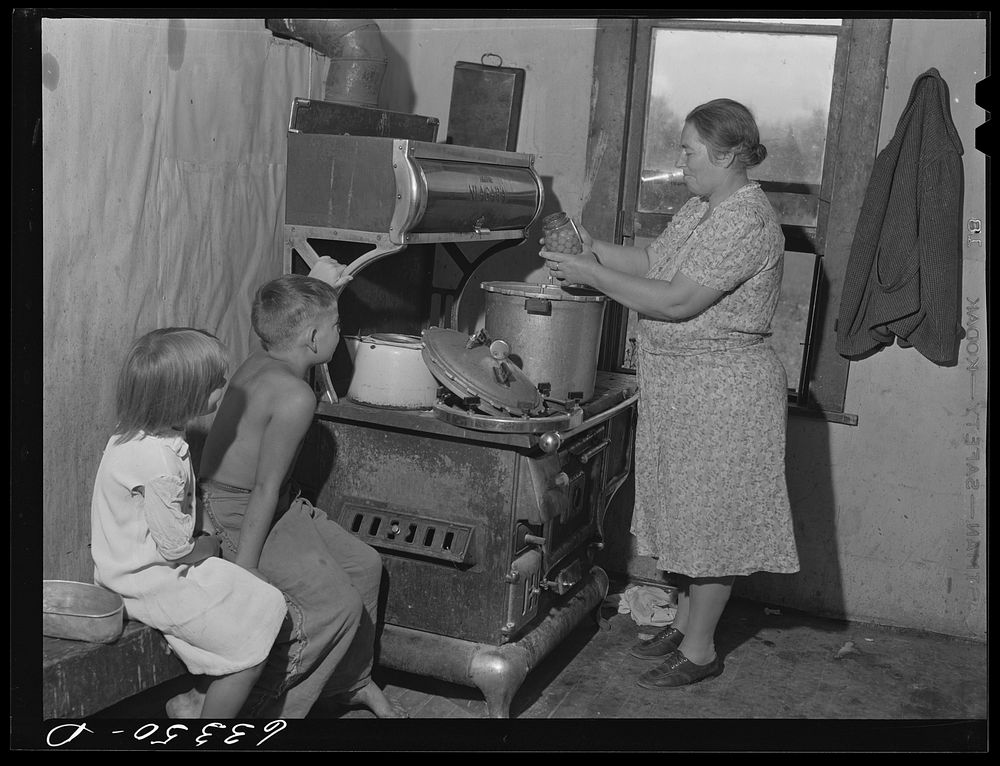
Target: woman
pixel 711 500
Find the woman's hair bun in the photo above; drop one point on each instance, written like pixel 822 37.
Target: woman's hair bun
pixel 755 155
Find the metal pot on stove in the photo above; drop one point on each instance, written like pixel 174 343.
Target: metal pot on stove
pixel 389 371
pixel 554 333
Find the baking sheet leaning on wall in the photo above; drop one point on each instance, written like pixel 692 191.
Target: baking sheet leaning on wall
pixel 163 177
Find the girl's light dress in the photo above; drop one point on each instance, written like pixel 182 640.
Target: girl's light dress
pixel 216 616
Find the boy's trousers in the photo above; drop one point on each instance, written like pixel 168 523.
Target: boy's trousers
pixel 331 583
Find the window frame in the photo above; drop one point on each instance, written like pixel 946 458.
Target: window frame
pixel 852 136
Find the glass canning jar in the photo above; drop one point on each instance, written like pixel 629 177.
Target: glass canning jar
pixel 560 234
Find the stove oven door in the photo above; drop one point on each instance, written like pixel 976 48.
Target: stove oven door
pixel 558 516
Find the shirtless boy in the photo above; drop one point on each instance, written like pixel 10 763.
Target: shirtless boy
pixel 330 578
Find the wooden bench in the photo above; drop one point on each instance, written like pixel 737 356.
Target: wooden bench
pixel 81 678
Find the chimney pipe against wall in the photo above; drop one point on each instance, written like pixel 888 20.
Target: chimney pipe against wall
pixel 354 47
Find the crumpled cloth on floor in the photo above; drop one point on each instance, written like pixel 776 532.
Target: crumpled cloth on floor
pixel 648 605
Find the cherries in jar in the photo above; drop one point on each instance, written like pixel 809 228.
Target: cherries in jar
pixel 560 234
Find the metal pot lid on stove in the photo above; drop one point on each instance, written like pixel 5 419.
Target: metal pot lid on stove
pixel 477 367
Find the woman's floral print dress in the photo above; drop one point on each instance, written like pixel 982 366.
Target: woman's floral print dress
pixel 711 498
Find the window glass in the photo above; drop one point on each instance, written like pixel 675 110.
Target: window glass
pixel 795 209
pixel 786 80
pixel 790 326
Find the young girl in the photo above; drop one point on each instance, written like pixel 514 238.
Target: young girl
pixel 149 547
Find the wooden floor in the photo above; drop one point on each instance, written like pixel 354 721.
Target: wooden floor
pixel 780 666
pixel 777 665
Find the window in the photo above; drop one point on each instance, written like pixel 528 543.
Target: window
pixel 794 76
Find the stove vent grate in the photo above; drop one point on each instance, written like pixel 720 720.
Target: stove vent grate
pixel 382 526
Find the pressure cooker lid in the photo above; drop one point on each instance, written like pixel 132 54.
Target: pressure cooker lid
pixel 478 367
pixel 544 291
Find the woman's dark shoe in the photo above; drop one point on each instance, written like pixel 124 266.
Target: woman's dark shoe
pixel 660 645
pixel 678 670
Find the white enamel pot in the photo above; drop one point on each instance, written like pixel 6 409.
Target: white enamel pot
pixel 389 371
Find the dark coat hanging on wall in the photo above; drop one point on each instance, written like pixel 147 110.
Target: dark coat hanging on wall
pixel 904 275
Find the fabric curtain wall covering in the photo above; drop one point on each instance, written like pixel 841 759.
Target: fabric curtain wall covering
pixel 904 274
pixel 163 171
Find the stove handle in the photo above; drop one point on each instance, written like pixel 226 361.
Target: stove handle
pixel 602 416
pixel 611 489
pixel 551 441
pixel 586 457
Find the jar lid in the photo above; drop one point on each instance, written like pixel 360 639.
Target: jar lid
pixel 476 367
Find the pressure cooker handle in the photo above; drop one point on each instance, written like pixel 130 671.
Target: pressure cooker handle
pixel 539 306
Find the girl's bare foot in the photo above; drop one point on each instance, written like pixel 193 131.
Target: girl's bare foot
pixel 375 700
pixel 186 705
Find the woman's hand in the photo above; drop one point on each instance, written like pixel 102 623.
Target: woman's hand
pixel 571 269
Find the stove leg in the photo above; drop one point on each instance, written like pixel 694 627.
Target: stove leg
pixel 601 620
pixel 498 673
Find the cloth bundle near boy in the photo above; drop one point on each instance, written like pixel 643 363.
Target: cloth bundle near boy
pixel 302 629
